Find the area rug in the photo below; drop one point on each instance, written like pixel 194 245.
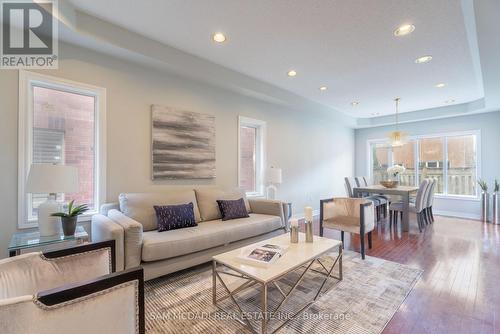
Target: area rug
pixel 363 302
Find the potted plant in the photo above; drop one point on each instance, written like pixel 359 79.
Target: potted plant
pixel 69 219
pixel 485 200
pixel 393 171
pixel 496 190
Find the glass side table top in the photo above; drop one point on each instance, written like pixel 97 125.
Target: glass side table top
pixel 24 240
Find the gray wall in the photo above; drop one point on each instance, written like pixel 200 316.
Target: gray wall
pixel 314 152
pixel 488 123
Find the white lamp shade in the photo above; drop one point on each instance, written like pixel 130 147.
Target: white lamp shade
pixel 50 178
pixel 274 175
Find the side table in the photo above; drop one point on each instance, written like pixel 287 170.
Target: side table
pixel 26 241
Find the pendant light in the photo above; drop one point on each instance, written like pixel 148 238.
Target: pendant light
pixel 397 138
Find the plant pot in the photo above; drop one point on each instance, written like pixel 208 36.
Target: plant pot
pixel 69 225
pixel 485 203
pixel 495 205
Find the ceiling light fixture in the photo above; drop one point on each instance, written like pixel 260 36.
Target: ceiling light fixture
pixel 292 73
pixel 403 30
pixel 323 88
pixel 440 85
pixel 354 103
pixel 375 113
pixel 219 37
pixel 423 59
pixel 397 138
pixel 449 101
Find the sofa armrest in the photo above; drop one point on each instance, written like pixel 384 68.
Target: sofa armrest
pixel 268 207
pixel 106 207
pixel 112 303
pixel 132 236
pixel 103 228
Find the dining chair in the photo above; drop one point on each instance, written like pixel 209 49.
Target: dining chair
pixel 353 215
pixel 430 201
pixel 385 200
pixel 417 207
pixel 350 183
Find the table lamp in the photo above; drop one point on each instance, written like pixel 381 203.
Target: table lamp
pixel 51 179
pixel 273 178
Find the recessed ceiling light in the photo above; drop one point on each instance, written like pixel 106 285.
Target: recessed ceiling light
pixel 292 73
pixel 423 59
pixel 219 37
pixel 404 30
pixel 354 103
pixel 440 85
pixel 375 113
pixel 449 101
pixel 323 88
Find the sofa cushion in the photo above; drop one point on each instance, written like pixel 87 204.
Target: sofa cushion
pixel 232 209
pixel 209 234
pixel 139 206
pixel 207 200
pixel 173 217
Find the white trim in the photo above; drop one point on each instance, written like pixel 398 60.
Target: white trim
pixel 261 156
pixel 456 214
pixel 445 136
pixel 26 80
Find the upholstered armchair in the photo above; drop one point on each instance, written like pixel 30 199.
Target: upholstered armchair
pixel 353 215
pixel 70 291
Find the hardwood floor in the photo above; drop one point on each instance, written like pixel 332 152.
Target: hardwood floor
pixel 459 291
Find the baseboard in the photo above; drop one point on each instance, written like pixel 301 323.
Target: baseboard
pixel 455 214
pixel 301 215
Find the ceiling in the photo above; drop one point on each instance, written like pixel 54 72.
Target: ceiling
pixel 346 45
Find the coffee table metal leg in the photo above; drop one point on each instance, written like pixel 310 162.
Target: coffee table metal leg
pixel 340 262
pixel 214 282
pixel 264 309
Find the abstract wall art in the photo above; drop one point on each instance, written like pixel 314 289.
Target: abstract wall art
pixel 183 144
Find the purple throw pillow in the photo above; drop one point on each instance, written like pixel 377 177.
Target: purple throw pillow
pixel 172 217
pixel 232 209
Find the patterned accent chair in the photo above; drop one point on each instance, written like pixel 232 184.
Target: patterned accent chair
pixel 353 215
pixel 70 291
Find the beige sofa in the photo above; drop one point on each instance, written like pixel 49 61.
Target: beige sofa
pixel 132 224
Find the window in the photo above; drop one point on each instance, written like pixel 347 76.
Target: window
pixel 452 159
pixel 251 156
pixel 61 122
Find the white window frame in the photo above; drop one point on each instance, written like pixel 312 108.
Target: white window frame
pixel 444 136
pixel 260 153
pixel 25 150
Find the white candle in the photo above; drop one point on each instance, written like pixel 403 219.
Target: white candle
pixel 294 222
pixel 308 213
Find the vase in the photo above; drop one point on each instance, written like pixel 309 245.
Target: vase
pixel 69 225
pixel 495 219
pixel 485 207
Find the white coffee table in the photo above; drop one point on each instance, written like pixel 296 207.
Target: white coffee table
pixel 298 255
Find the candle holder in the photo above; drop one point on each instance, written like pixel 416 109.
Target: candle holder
pixel 309 231
pixel 294 234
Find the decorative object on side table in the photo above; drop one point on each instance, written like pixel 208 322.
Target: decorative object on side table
pixel 308 216
pixel 495 204
pixel 294 231
pixel 485 201
pixel 69 219
pixel 274 178
pixel 51 179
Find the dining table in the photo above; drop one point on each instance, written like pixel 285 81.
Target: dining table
pixel 403 191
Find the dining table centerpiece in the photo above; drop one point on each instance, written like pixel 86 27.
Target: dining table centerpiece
pixel 394 174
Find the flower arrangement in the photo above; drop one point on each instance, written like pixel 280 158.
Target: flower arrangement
pixel 396 170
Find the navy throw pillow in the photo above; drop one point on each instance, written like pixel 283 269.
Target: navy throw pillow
pixel 172 217
pixel 232 209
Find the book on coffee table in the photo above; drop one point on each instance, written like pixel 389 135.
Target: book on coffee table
pixel 262 255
